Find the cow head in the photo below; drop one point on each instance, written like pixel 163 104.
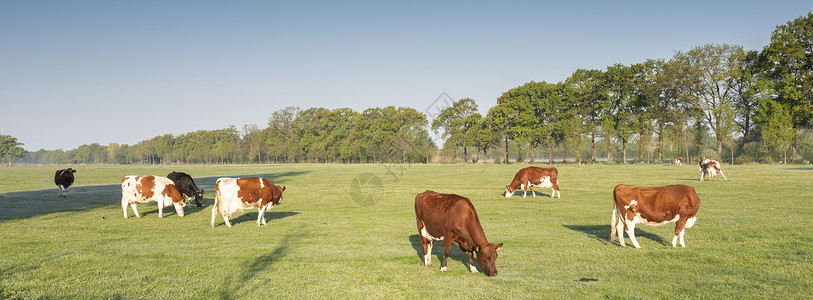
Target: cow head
pixel 487 256
pixel 509 191
pixel 179 207
pixel 278 191
pixel 198 198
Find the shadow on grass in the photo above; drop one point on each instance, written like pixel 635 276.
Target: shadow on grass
pixel 252 217
pixel 254 268
pixel 458 255
pixel 18 205
pixel 601 233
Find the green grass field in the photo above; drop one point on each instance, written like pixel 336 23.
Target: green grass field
pixel 349 231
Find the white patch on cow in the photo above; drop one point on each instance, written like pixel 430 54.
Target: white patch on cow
pixel 640 220
pixel 690 222
pixel 443 269
pixel 472 269
pixel 507 194
pixel 545 183
pixel 428 236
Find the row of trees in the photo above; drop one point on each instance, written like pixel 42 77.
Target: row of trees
pixel 735 97
pixel 741 96
pixel 389 134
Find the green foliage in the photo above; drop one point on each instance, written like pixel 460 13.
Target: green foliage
pixel 10 149
pixel 777 126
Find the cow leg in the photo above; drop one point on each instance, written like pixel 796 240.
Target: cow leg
pixel 65 194
pixel 135 210
pixel 124 205
pixel 533 193
pixel 619 227
pixel 261 216
pixel 447 249
pixel 631 233
pixel 426 246
pixel 721 173
pixel 471 262
pixel 525 192
pixel 226 219
pixel 679 229
pixel 160 209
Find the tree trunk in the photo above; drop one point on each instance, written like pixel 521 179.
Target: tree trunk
pixel 506 151
pixel 793 147
pixel 593 147
pixel 624 151
pixel 660 147
pixel 531 158
pixel 550 154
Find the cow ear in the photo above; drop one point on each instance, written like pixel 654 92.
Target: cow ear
pixel 283 188
pixel 498 247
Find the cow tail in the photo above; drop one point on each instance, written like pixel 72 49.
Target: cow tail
pixel 216 206
pixel 612 221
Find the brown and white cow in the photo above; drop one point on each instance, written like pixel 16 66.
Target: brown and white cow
pixel 452 218
pixel 653 206
pixel 238 194
pixel 143 189
pixel 63 180
pixel 678 161
pixel 531 177
pixel 710 167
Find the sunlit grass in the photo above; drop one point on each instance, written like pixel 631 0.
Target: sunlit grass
pixel 752 237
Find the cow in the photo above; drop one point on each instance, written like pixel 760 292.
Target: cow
pixel 452 218
pixel 531 177
pixel 186 186
pixel 710 167
pixel 143 189
pixel 63 180
pixel 238 194
pixel 678 161
pixel 653 206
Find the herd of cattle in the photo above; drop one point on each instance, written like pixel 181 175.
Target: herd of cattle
pixel 440 217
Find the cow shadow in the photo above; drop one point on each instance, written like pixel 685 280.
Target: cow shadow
pixel 252 217
pixel 437 248
pixel 518 193
pixel 601 233
pixel 26 204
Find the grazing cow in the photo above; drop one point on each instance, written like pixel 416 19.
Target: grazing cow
pixel 678 161
pixel 653 206
pixel 63 180
pixel 452 218
pixel 186 186
pixel 531 177
pixel 710 167
pixel 143 189
pixel 238 194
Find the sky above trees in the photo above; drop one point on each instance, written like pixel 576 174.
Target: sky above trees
pixel 81 72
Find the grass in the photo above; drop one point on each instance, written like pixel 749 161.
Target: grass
pixel 348 231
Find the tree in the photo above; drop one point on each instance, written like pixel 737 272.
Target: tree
pixel 777 125
pixel 708 77
pixel 752 87
pixel 585 97
pixel 452 120
pixel 619 109
pixel 10 149
pixel 480 135
pixel 790 54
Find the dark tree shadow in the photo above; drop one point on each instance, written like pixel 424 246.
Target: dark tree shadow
pixel 26 204
pixel 233 284
pixel 252 217
pixel 601 233
pixel 437 248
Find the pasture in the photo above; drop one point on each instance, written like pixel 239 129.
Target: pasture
pixel 349 231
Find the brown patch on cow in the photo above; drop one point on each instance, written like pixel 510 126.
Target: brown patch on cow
pixel 147 186
pixel 250 191
pixel 172 192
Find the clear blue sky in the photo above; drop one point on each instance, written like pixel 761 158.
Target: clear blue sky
pixel 81 72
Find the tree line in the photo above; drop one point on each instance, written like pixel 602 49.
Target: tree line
pixel 700 102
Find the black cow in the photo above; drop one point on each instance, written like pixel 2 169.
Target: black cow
pixel 63 179
pixel 185 185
